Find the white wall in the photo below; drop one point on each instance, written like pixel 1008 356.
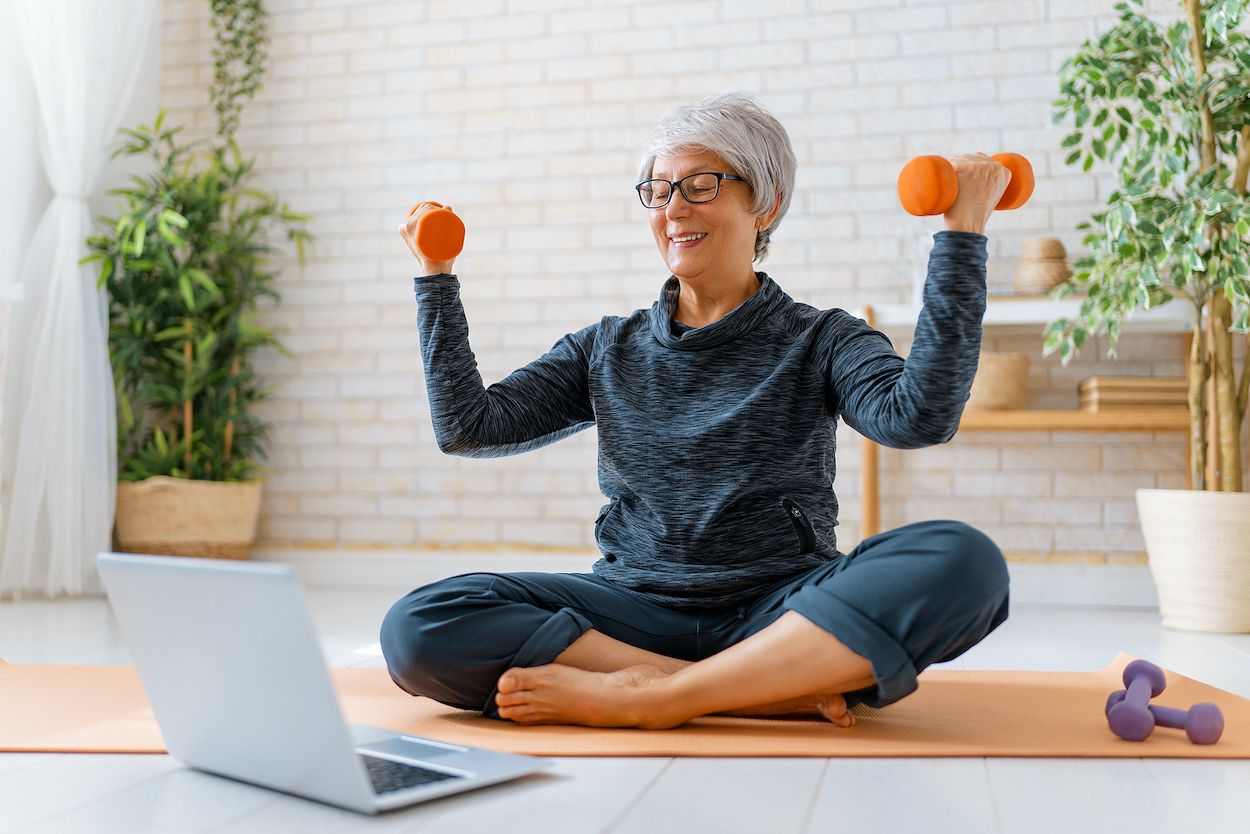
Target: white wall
pixel 527 115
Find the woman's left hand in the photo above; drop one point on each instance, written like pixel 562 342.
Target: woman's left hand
pixel 982 182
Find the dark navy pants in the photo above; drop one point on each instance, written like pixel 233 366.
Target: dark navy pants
pixel 920 594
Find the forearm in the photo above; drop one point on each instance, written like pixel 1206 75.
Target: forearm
pixel 451 376
pixel 947 344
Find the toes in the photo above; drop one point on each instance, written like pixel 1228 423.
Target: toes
pixel 836 711
pixel 523 677
pixel 519 714
pixel 510 681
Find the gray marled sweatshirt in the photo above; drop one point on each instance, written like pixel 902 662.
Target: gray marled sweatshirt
pixel 716 444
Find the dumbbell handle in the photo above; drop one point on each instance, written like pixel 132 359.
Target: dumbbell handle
pixel 1139 691
pixel 1169 716
pixel 1164 716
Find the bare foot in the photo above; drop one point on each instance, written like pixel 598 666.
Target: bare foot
pixel 559 694
pixel 831 706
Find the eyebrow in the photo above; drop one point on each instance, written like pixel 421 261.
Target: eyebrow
pixel 696 169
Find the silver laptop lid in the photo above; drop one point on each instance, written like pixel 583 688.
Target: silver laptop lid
pixel 228 655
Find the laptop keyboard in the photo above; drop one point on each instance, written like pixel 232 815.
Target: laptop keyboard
pixel 388 776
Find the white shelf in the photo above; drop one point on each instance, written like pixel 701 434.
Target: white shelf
pixel 1034 312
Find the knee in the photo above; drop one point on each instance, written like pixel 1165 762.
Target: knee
pixel 422 645
pixel 975 564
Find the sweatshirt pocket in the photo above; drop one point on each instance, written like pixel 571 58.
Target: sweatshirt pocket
pixel 802 527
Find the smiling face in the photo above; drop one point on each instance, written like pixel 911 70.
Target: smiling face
pixel 727 249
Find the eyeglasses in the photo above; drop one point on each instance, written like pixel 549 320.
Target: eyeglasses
pixel 696 188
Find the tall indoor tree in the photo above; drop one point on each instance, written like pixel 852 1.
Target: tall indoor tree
pixel 1171 108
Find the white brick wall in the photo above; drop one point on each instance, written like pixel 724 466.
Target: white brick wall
pixel 370 106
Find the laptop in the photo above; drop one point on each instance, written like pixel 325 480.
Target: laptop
pixel 231 663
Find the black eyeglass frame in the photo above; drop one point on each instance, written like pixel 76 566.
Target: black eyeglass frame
pixel 677 185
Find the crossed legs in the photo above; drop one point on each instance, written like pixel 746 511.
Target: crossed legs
pixel 791 666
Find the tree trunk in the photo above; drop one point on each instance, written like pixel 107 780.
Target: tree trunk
pixel 1240 175
pixel 1197 407
pixel 1225 394
pixel 1224 441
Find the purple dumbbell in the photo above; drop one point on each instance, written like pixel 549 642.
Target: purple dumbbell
pixel 1130 718
pixel 1203 722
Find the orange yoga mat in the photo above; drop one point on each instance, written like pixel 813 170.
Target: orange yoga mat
pixel 102 709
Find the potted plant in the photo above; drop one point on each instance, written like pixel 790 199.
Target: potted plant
pixel 1171 107
pixel 185 264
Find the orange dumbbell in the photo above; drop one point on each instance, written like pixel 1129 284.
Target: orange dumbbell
pixel 928 185
pixel 440 233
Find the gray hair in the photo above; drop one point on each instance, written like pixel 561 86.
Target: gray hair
pixel 750 139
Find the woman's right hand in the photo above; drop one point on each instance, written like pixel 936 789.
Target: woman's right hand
pixel 408 231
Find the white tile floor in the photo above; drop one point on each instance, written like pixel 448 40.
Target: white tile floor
pixel 108 793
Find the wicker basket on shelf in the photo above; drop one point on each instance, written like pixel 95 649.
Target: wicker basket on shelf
pixel 1001 383
pixel 1043 266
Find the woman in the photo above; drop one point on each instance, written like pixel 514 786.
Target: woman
pixel 720 589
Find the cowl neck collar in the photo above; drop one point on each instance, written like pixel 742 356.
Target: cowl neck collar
pixel 742 319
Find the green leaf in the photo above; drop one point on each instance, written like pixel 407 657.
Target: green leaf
pixel 140 233
pixel 184 286
pixel 174 218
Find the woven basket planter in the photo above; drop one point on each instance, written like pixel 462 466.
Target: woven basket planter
pixel 1002 382
pixel 1198 546
pixel 180 517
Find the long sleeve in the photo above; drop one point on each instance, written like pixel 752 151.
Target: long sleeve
pixel 545 401
pixel 918 402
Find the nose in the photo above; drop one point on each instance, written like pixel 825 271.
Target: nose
pixel 678 206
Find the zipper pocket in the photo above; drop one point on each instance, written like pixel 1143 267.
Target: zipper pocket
pixel 603 513
pixel 807 537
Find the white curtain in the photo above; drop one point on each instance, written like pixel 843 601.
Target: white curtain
pixel 58 463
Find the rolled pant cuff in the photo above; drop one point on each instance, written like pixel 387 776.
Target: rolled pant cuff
pixel 891 666
pixel 543 646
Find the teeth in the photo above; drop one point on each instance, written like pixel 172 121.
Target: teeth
pixel 689 237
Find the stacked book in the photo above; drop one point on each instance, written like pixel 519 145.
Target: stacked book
pixel 1105 393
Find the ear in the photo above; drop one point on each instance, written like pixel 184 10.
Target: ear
pixel 764 221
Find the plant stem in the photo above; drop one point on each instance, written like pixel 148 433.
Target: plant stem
pixel 229 439
pixel 186 403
